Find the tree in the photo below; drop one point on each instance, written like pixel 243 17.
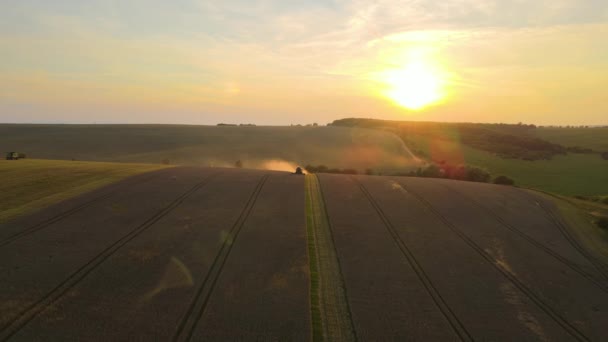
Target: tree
pixel 504 180
pixel 432 171
pixel 476 174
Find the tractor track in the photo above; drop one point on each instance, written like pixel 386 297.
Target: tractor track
pixel 441 304
pixel 601 267
pixel 561 321
pixel 197 307
pixel 531 240
pixel 14 325
pixel 57 218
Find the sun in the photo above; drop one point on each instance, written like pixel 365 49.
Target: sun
pixel 415 86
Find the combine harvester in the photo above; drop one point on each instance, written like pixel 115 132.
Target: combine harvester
pixel 14 156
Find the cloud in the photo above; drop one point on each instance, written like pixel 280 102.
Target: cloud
pixel 284 61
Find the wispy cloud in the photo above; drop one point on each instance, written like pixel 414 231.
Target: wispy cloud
pixel 279 59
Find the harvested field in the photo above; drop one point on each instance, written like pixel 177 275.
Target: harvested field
pixel 232 254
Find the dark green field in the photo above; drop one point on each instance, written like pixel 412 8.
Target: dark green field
pixel 595 138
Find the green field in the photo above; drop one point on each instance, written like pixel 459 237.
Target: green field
pixel 571 174
pixel 595 138
pixel 29 185
pixel 279 148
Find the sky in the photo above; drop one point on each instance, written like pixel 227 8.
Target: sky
pixel 288 62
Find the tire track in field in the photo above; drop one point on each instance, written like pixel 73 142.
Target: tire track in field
pixel 331 316
pixel 13 326
pixel 531 240
pixel 441 304
pixel 557 221
pixel 197 307
pixel 46 223
pixel 571 329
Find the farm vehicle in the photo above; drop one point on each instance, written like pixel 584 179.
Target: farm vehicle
pixel 14 156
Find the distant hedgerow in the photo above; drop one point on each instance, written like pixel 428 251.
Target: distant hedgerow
pixel 458 172
pixel 325 169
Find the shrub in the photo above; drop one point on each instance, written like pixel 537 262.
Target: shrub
pixel 475 174
pixel 605 155
pixel 432 171
pixel 578 149
pixel 238 164
pixel 369 172
pixel 316 169
pixel 602 222
pixel 504 180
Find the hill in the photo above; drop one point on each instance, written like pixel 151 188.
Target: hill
pixel 516 151
pixel 256 147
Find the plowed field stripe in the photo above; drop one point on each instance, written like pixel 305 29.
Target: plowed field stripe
pixel 51 297
pixel 441 304
pixel 197 307
pixel 571 329
pixel 331 317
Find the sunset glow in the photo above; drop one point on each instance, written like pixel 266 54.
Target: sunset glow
pixel 276 62
pixel 415 86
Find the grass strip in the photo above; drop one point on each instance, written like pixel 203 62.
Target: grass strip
pixel 317 328
pixel 330 314
pixel 30 185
